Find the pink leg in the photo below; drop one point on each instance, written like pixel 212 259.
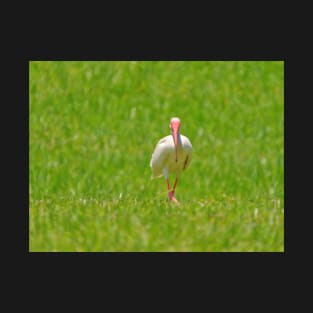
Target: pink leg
pixel 171 193
pixel 168 184
pixel 175 184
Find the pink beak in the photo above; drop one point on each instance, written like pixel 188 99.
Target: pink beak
pixel 175 130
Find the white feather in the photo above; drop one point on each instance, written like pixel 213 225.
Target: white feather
pixel 163 157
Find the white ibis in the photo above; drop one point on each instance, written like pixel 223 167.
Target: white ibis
pixel 172 154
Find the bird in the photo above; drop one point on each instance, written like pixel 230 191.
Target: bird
pixel 172 154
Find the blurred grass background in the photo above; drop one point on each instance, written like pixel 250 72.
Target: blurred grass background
pixel 94 126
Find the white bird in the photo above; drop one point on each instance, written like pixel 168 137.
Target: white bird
pixel 172 154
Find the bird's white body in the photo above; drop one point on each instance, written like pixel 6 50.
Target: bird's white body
pixel 163 159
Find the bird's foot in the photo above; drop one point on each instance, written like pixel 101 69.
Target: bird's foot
pixel 171 197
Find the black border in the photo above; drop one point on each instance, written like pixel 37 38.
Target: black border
pixel 240 279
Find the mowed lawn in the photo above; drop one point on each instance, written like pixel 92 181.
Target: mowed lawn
pixel 93 128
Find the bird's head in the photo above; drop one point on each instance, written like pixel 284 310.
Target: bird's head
pixel 175 126
pixel 175 123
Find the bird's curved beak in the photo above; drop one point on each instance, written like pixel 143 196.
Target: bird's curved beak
pixel 175 131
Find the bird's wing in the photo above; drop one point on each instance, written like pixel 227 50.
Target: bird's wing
pixel 188 148
pixel 186 142
pixel 165 139
pixel 187 161
pixel 159 157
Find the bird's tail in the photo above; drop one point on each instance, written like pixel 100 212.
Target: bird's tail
pixel 153 177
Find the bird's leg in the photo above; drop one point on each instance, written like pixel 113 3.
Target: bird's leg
pixel 165 173
pixel 173 191
pixel 170 191
pixel 168 184
pixel 176 180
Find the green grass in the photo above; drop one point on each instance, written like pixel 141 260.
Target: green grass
pixel 94 126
